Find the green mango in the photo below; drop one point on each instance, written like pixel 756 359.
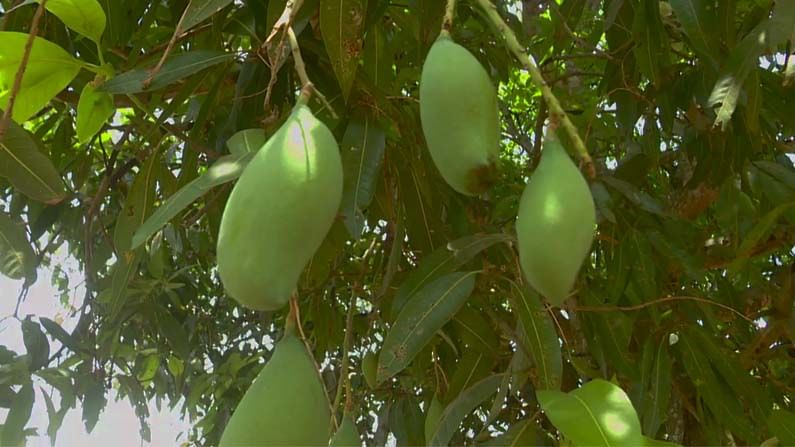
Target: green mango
pixel 460 121
pixel 432 416
pixel 347 435
pixel 279 212
pixel 555 223
pixel 286 404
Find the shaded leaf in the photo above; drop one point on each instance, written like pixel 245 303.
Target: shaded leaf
pixel 643 200
pixel 538 337
pixel 12 433
pixel 198 10
pixel 443 261
pixel 461 406
pixel 245 141
pixel 29 170
pixel 424 314
pixel 659 387
pixel 698 24
pixel 597 414
pixel 36 344
pixel 58 333
pixel 782 425
pixel 17 259
pixel 342 25
pixel 174 69
pixel 225 169
pixel 362 150
pixel 93 403
pixel 48 71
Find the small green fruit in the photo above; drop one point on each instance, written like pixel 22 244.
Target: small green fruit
pixel 458 111
pixel 286 404
pixel 279 212
pixel 555 223
pixel 347 435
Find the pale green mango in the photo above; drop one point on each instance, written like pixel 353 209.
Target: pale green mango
pixel 555 223
pixel 279 212
pixel 460 121
pixel 347 435
pixel 285 406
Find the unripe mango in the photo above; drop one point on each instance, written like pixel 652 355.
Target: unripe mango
pixel 279 212
pixel 555 223
pixel 285 405
pixel 458 111
pixel 347 435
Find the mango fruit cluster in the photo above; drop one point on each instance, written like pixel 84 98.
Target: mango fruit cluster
pixel 556 218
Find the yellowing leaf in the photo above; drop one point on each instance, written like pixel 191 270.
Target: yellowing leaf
pixel 48 71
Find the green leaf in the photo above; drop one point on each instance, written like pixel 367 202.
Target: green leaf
pixel 377 59
pixel 473 366
pixel 58 333
pixel 362 150
pixel 659 388
pixel 36 344
pixel 342 26
pixel 174 332
pixel 643 200
pixel 174 69
pixel 698 23
pixel 198 10
pixel 27 168
pixel 538 337
pixel 13 430
pixel 93 110
pixel 84 16
pixel 522 433
pixel 425 313
pixel 139 204
pixel 782 425
pixel 48 71
pixel 461 406
pixel 245 141
pixel 443 261
pixel 652 45
pixel 759 232
pixel 93 403
pixel 17 259
pixel 55 417
pixel 225 169
pixel 597 414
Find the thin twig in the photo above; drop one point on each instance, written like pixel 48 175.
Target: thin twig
pixel 300 68
pixel 159 66
pixel 12 97
pixel 557 114
pixel 659 301
pixel 343 383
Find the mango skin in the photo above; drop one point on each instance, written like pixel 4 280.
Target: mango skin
pixel 285 405
pixel 460 120
pixel 347 435
pixel 279 212
pixel 555 223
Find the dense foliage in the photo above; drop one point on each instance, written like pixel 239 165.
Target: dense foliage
pixel 685 301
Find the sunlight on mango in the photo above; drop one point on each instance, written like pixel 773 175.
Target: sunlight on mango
pixel 615 425
pixel 552 208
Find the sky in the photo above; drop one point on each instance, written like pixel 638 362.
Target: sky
pixel 117 426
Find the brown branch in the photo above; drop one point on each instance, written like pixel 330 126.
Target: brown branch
pixel 12 97
pixel 659 301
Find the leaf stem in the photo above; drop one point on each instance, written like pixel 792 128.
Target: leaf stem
pixel 307 87
pixel 449 12
pixel 556 113
pixel 23 63
pixel 343 383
